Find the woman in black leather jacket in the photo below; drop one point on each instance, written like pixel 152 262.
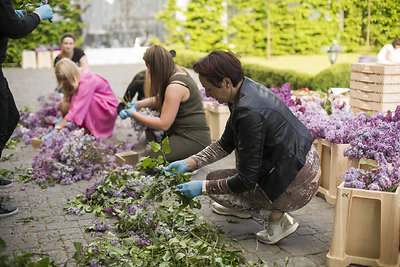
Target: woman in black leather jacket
pixel 278 168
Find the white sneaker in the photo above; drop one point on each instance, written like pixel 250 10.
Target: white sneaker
pixel 219 209
pixel 285 226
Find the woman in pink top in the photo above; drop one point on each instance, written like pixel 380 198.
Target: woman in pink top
pixel 88 99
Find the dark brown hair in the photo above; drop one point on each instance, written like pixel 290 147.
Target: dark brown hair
pixel 218 65
pixel 161 66
pixel 396 42
pixel 67 34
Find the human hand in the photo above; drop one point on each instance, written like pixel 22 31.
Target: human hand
pixel 57 121
pixel 47 136
pixel 122 114
pixel 131 109
pixel 20 13
pixel 180 166
pixel 45 12
pixel 132 104
pixel 191 189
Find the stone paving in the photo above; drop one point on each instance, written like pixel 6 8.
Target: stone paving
pixel 43 227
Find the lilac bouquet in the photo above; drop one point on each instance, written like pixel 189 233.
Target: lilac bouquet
pixel 381 178
pixel 140 128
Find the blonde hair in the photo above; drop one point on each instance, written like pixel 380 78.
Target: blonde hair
pixel 161 66
pixel 66 69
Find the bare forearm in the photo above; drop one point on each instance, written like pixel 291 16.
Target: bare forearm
pixel 147 103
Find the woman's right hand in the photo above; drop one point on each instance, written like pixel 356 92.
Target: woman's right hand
pixel 179 166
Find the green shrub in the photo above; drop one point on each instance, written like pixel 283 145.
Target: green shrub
pixel 46 33
pixel 335 76
pixel 276 77
pixel 186 58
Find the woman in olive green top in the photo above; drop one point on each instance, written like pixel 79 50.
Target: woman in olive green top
pixel 178 98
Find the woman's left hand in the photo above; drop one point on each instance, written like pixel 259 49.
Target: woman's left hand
pixel 191 189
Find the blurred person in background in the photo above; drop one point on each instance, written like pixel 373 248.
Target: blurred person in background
pixel 69 50
pixel 13 24
pixel 390 53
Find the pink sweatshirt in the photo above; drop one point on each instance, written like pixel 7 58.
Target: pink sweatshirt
pixel 94 105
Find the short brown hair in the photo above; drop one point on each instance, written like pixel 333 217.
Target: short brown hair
pixel 396 42
pixel 161 66
pixel 218 65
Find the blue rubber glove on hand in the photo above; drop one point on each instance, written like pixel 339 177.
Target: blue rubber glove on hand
pixel 180 166
pixel 45 11
pixel 133 104
pixel 130 110
pixel 47 136
pixel 57 121
pixel 191 189
pixel 122 114
pixel 20 13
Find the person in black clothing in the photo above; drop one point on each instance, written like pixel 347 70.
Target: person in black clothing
pixel 69 50
pixel 14 25
pixel 136 86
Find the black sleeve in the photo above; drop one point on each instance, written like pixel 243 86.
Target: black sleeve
pixel 11 25
pixel 78 53
pixel 136 86
pixel 120 107
pixel 56 60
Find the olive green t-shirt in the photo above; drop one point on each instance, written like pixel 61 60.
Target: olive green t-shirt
pixel 190 121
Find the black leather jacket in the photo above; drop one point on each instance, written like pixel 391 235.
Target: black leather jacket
pixel 271 142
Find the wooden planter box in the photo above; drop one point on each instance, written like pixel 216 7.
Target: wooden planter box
pixel 44 60
pixel 374 87
pixel 217 118
pixel 28 59
pixel 36 142
pixel 333 166
pixel 127 157
pixel 365 229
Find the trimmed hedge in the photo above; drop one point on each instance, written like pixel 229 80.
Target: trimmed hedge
pixel 334 76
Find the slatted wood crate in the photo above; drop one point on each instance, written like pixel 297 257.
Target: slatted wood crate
pixel 374 87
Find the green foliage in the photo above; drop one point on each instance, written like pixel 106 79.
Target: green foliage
pixel 275 77
pixel 297 27
pixel 155 226
pixel 22 259
pixel 336 76
pixel 46 33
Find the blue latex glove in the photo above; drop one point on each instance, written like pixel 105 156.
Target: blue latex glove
pixel 180 166
pixel 133 104
pixel 45 11
pixel 191 189
pixel 122 114
pixel 129 111
pixel 57 121
pixel 20 13
pixel 44 137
